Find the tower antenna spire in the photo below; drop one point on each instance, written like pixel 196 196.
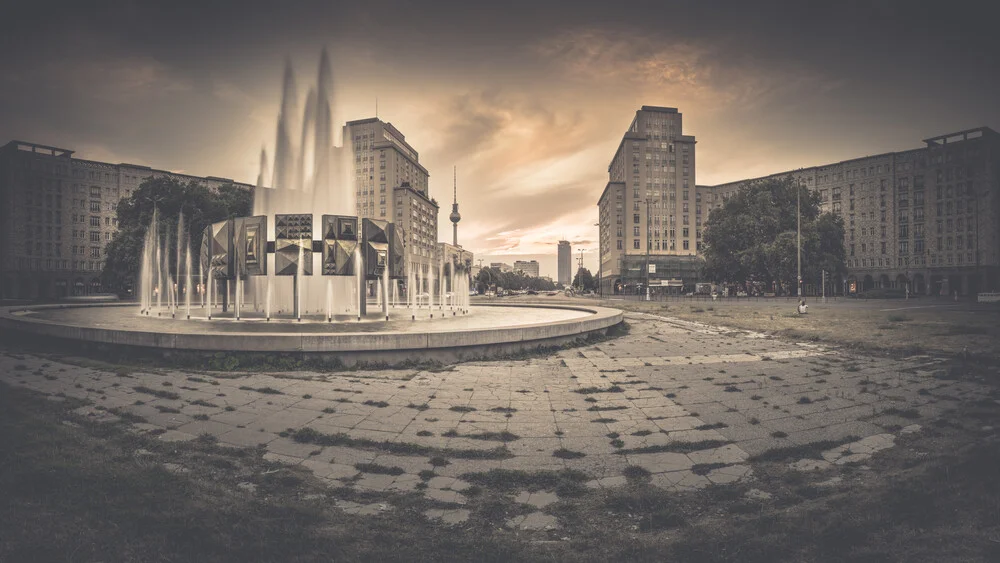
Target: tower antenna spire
pixel 455 216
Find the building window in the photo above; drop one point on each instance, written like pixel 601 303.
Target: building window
pixel 635 243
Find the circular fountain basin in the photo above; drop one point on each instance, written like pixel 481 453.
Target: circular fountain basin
pixel 486 331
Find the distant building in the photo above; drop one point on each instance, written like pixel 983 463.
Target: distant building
pixel 650 211
pixel 456 255
pixel 527 267
pixel 501 266
pixel 57 215
pixel 565 273
pixel 391 184
pixel 926 219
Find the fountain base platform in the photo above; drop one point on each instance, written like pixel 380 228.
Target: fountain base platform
pixel 487 331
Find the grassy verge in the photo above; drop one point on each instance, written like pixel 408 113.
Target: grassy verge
pixel 927 327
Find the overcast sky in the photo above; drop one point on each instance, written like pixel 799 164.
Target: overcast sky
pixel 528 99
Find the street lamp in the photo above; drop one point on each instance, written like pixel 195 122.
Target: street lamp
pixel 649 232
pixel 600 262
pixel 798 234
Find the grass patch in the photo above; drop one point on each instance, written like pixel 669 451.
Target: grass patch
pixel 636 472
pixel 656 509
pixel 378 469
pixel 565 482
pixel 158 393
pixel 264 390
pixel 460 408
pixel 713 426
pixel 592 390
pixel 421 407
pixel 204 403
pixel 597 408
pixel 563 453
pixel 903 413
pixel 706 468
pixel 376 404
pixel 676 447
pixel 812 450
pixel 312 436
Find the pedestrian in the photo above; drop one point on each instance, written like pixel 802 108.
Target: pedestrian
pixel 803 307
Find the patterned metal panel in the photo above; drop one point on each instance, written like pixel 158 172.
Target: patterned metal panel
pixel 340 240
pixel 292 236
pixel 252 246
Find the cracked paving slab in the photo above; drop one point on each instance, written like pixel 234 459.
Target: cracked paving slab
pixel 690 403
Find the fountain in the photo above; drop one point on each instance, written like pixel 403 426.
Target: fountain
pixel 305 263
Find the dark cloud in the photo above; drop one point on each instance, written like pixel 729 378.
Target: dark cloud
pixel 513 92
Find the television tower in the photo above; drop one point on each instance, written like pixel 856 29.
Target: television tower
pixel 455 215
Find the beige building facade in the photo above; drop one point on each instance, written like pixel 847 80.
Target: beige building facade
pixel 391 185
pixel 926 220
pixel 527 267
pixel 650 212
pixel 58 213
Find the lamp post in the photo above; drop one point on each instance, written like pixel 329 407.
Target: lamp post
pixel 600 262
pixel 649 230
pixel 798 234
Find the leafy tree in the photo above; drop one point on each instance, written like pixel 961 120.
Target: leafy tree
pixel 752 237
pixel 490 277
pixel 584 280
pixel 200 205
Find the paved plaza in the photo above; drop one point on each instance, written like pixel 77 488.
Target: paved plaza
pixel 691 405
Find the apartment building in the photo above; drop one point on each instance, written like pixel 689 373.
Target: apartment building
pixel 57 214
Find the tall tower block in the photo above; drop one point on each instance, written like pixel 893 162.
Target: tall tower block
pixel 455 215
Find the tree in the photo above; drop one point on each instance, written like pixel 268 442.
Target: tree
pixel 201 207
pixel 751 238
pixel 584 280
pixel 490 277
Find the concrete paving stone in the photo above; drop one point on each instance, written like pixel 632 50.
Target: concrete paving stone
pixel 374 482
pixel 532 447
pixel 236 418
pixel 760 445
pixel 661 462
pixel 330 470
pixel 729 474
pixel 405 483
pixel 677 424
pixel 538 499
pixel 246 437
pixel 284 419
pixel 533 463
pixel 607 482
pixel 452 497
pixel 287 446
pixel 679 481
pixel 198 427
pixel 451 517
pixel 284 459
pixel 534 521
pixel 697 435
